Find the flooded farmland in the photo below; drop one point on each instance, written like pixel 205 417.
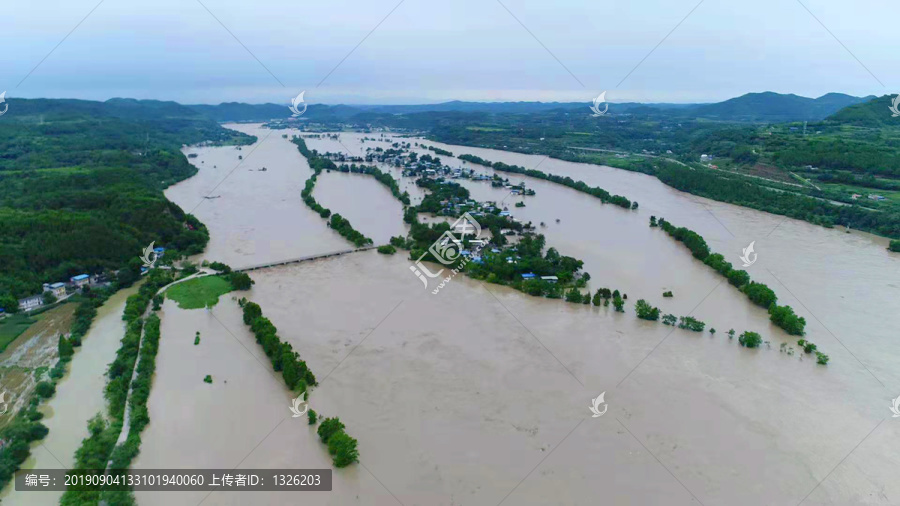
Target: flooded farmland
pixel 79 396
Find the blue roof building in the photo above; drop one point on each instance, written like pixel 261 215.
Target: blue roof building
pixel 529 275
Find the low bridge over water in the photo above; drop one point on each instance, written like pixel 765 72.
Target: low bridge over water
pixel 302 259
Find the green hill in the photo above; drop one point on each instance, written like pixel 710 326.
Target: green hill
pixel 872 113
pixel 81 186
pixel 776 107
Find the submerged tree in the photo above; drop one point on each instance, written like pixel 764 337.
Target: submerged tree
pixel 750 339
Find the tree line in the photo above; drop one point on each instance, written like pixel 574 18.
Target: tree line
pixel 294 371
pixel 581 186
pixel 758 293
pixel 382 177
pixel 338 223
pixel 298 378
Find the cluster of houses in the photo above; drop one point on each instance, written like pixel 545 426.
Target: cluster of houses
pixel 60 290
pixel 342 158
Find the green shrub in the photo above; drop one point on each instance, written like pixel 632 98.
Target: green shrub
pixel 691 323
pixel 343 448
pixel 328 428
pixel 750 339
pixel 240 280
pixel 645 311
pixel 760 294
pixel 45 389
pixel 784 317
pixel 221 267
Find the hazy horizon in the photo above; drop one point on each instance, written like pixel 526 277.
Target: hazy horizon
pixel 384 104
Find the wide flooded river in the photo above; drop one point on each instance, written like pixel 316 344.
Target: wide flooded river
pixel 480 394
pixel 254 215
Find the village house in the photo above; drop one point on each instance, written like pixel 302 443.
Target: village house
pixel 29 303
pixel 80 280
pixel 57 289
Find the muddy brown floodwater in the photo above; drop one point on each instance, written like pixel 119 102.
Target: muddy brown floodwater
pixel 480 394
pixel 255 216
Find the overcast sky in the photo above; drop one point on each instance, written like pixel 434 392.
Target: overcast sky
pixel 429 51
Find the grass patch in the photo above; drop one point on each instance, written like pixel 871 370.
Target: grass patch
pixel 12 327
pixel 199 292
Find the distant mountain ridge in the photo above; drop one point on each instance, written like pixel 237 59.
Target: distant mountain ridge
pixel 766 107
pixel 776 107
pixel 751 107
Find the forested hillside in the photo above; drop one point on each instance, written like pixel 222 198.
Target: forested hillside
pixel 81 186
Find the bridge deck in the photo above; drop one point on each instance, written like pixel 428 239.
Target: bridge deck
pixel 303 259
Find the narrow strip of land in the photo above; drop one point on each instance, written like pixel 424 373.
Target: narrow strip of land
pixel 126 418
